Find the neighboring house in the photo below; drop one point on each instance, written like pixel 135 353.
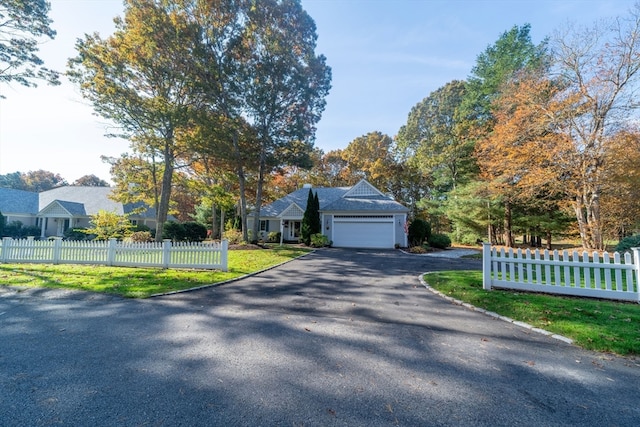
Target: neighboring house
pixel 55 211
pixel 352 217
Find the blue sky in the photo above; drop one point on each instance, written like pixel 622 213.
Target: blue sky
pixel 386 56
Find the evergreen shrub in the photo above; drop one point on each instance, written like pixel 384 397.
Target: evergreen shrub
pixel 173 230
pixel 628 242
pixel 419 231
pixel 194 231
pixel 440 241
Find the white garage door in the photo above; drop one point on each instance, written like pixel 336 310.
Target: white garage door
pixel 363 232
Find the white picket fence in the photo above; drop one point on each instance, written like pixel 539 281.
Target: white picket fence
pixel 166 254
pixel 600 276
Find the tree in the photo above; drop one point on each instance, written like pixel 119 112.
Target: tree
pixel 107 225
pixel 140 79
pixel 434 138
pixel 371 157
pixel 90 181
pixel 35 181
pixel 621 187
pixel 600 67
pixel 310 219
pixel 286 83
pixel 513 53
pixel 12 180
pixel 526 157
pixel 3 222
pixel 22 24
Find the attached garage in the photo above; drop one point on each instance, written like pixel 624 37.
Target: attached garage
pixel 360 216
pixel 364 231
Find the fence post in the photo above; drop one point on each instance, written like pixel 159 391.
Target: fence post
pixel 224 255
pixel 6 249
pixel 57 250
pixel 111 251
pixel 486 266
pixel 166 253
pixel 636 265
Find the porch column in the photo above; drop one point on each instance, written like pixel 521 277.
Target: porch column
pixel 43 221
pixel 281 231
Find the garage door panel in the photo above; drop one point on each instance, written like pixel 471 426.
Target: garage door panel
pixel 363 234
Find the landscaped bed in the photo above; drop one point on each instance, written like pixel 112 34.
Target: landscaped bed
pixel 141 282
pixel 591 323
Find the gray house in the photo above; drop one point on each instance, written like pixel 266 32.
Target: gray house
pixel 55 211
pixel 352 217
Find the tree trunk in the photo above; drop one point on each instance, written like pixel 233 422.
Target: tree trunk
pixel 256 215
pixel 582 222
pixel 241 184
pixel 221 224
pixel 165 192
pixel 548 239
pixel 214 222
pixel 593 217
pixel 508 236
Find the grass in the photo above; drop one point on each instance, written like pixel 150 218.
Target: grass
pixel 140 282
pixel 594 324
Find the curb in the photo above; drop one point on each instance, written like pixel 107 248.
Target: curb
pixel 235 279
pixel 492 314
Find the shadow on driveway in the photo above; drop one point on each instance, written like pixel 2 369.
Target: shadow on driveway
pixel 339 337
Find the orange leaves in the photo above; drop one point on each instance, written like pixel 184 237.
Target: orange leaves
pixel 526 151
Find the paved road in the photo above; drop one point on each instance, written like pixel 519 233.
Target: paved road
pixel 337 338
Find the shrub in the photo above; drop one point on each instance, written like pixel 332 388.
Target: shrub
pixel 77 234
pixel 3 222
pixel 417 250
pixel 441 241
pixel 419 231
pixel 274 236
pixel 319 240
pixel 16 230
pixel 628 242
pixel 194 231
pixel 141 227
pixel 173 230
pixel 141 236
pixel 106 225
pixel 234 236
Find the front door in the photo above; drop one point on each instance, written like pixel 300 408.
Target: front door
pixel 293 230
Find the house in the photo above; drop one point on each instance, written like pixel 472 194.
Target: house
pixel 352 217
pixel 59 209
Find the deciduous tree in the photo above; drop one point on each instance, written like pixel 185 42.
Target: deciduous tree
pixel 526 157
pixel 140 78
pixel 90 181
pixel 600 66
pixel 285 81
pixel 22 24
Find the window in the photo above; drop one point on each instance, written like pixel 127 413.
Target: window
pixel 264 225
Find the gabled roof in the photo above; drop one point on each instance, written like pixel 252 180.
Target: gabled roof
pixel 362 197
pixel 363 189
pixel 326 195
pixel 293 211
pixel 18 201
pixel 94 199
pixel 62 208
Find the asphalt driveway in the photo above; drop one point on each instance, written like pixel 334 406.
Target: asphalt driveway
pixel 339 337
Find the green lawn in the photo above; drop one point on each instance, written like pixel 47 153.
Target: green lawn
pixel 140 282
pixel 594 324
